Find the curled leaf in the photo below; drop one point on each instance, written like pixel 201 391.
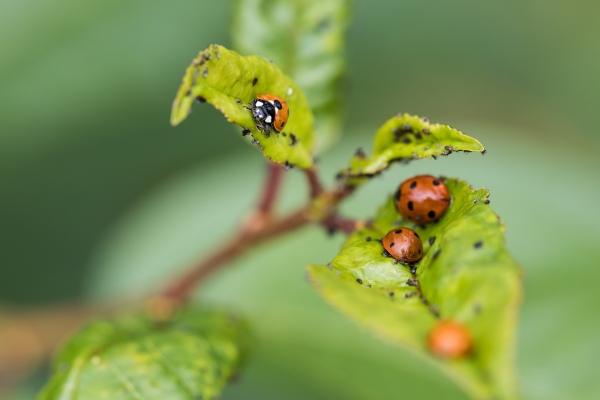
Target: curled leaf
pixel 466 275
pixel 405 138
pixel 306 38
pixel 191 357
pixel 230 82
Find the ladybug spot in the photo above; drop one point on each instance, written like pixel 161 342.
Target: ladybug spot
pixel 398 230
pixel 436 182
pixel 478 245
pixel 397 195
pixel 392 244
pixel 413 185
pixel 431 214
pixel 359 280
pixel 254 81
pixel 410 205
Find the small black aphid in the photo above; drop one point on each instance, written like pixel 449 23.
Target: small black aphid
pixel 359 280
pixel 431 240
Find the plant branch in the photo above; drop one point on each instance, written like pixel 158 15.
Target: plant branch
pixel 321 209
pixel 180 289
pixel 271 188
pixel 314 183
pixel 335 223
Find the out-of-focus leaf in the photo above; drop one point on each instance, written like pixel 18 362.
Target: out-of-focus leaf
pixel 191 357
pixel 405 138
pixel 306 39
pixel 465 275
pixel 230 82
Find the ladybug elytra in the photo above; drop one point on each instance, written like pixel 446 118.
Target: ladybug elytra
pixel 403 244
pixel 449 339
pixel 270 112
pixel 422 199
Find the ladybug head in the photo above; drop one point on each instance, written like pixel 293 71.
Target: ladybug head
pixel 259 113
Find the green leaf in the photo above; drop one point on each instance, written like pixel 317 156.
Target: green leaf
pixel 230 82
pixel 191 357
pixel 465 275
pixel 306 39
pixel 405 138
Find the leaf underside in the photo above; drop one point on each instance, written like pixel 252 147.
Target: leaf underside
pixel 465 275
pixel 230 82
pixel 189 358
pixel 405 138
pixel 306 39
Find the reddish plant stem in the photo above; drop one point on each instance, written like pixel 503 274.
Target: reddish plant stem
pixel 314 183
pixel 271 188
pixel 179 290
pixel 336 223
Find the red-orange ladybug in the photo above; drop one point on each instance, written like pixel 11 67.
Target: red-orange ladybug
pixel 422 199
pixel 270 111
pixel 403 244
pixel 450 339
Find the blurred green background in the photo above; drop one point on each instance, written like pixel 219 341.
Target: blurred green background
pixel 100 197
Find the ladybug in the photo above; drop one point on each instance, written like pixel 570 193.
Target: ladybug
pixel 270 111
pixel 422 199
pixel 403 244
pixel 449 339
